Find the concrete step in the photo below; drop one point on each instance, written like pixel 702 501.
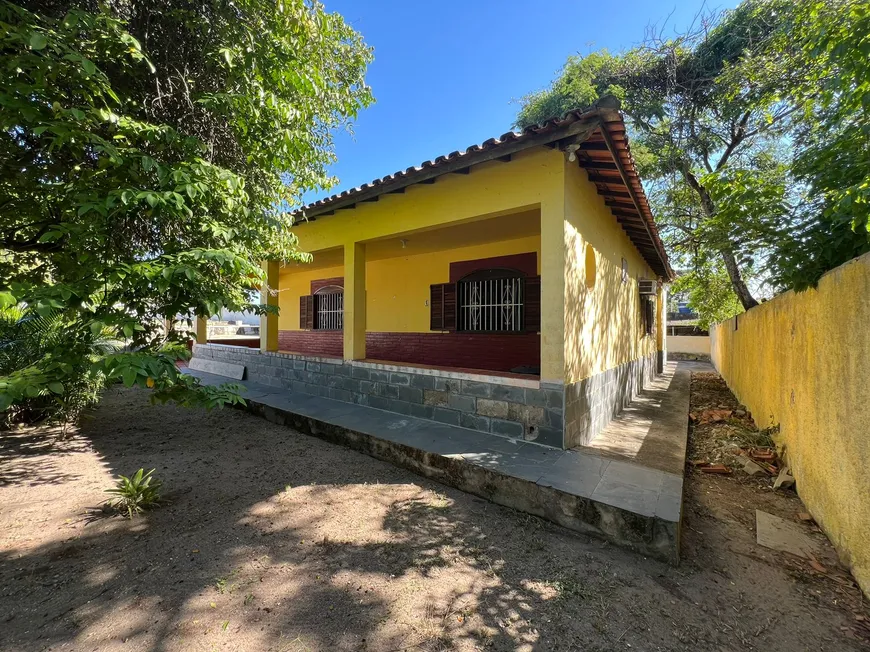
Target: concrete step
pixel 630 505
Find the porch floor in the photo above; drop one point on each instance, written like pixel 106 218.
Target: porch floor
pixel 596 491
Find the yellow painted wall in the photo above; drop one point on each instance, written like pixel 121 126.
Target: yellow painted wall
pixel 397 289
pixel 531 178
pixel 583 330
pixel 696 344
pixel 602 322
pixel 802 361
pixel 295 283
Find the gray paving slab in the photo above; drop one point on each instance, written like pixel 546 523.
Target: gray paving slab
pixel 652 431
pixel 669 506
pixel 218 368
pixel 530 462
pixel 575 473
pixel 778 534
pixel 622 490
pixel 627 496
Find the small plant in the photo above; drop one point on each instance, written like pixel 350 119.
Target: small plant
pixel 136 493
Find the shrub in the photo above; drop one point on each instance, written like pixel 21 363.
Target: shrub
pixel 33 345
pixel 135 494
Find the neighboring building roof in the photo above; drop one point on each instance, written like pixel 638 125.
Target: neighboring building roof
pixel 597 137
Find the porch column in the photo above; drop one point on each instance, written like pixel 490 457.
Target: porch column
pixel 553 270
pixel 354 301
pixel 269 297
pixel 201 330
pixel 661 327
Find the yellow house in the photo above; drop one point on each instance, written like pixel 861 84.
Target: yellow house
pixel 514 288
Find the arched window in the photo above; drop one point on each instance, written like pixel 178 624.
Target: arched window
pixel 490 300
pixel 329 308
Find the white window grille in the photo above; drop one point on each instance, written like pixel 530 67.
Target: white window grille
pixel 329 309
pixel 491 305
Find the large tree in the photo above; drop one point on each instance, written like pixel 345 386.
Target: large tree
pixel 148 152
pixel 716 113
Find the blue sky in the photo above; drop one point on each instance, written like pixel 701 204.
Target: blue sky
pixel 447 73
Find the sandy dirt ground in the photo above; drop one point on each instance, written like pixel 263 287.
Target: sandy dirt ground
pixel 271 540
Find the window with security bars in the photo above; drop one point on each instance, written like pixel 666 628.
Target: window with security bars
pixel 490 303
pixel 324 309
pixel 487 300
pixel 329 309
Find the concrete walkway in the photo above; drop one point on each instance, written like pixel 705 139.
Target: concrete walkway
pixel 651 432
pixel 595 490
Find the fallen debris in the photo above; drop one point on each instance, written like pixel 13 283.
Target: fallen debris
pixel 720 469
pixel 784 480
pixel 778 534
pixel 805 516
pixel 763 454
pixel 710 416
pixel 752 469
pixel 815 564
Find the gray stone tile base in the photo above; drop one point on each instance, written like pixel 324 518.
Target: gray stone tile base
pixel 218 368
pixel 593 402
pixel 631 506
pixel 533 413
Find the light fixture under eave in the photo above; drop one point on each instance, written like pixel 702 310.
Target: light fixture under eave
pixel 572 151
pixel 404 243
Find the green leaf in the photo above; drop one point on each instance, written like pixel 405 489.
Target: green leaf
pixel 129 376
pixel 56 387
pixel 38 41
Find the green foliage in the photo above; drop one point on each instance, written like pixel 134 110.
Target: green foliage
pixel 39 374
pixel 752 133
pixel 147 155
pixel 136 494
pixel 709 293
pixel 832 141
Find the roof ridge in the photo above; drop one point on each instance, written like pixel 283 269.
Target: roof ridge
pixel 605 102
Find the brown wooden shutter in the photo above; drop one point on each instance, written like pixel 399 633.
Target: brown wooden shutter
pixel 442 307
pixel 306 312
pixel 532 302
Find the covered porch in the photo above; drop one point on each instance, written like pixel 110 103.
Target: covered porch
pixel 462 297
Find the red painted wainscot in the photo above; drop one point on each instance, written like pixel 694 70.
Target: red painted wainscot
pixel 490 351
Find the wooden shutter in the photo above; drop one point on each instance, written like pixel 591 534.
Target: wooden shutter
pixel 442 307
pixel 532 303
pixel 306 312
pixel 648 315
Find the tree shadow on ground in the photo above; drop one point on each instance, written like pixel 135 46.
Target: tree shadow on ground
pixel 272 540
pixel 35 455
pixel 269 540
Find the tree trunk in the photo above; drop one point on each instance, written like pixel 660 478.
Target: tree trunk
pixel 737 282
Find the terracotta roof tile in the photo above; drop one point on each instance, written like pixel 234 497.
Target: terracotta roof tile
pixel 602 123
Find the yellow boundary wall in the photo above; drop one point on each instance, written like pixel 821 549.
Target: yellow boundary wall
pixel 802 360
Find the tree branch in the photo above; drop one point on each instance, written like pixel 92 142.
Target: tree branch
pixel 739 134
